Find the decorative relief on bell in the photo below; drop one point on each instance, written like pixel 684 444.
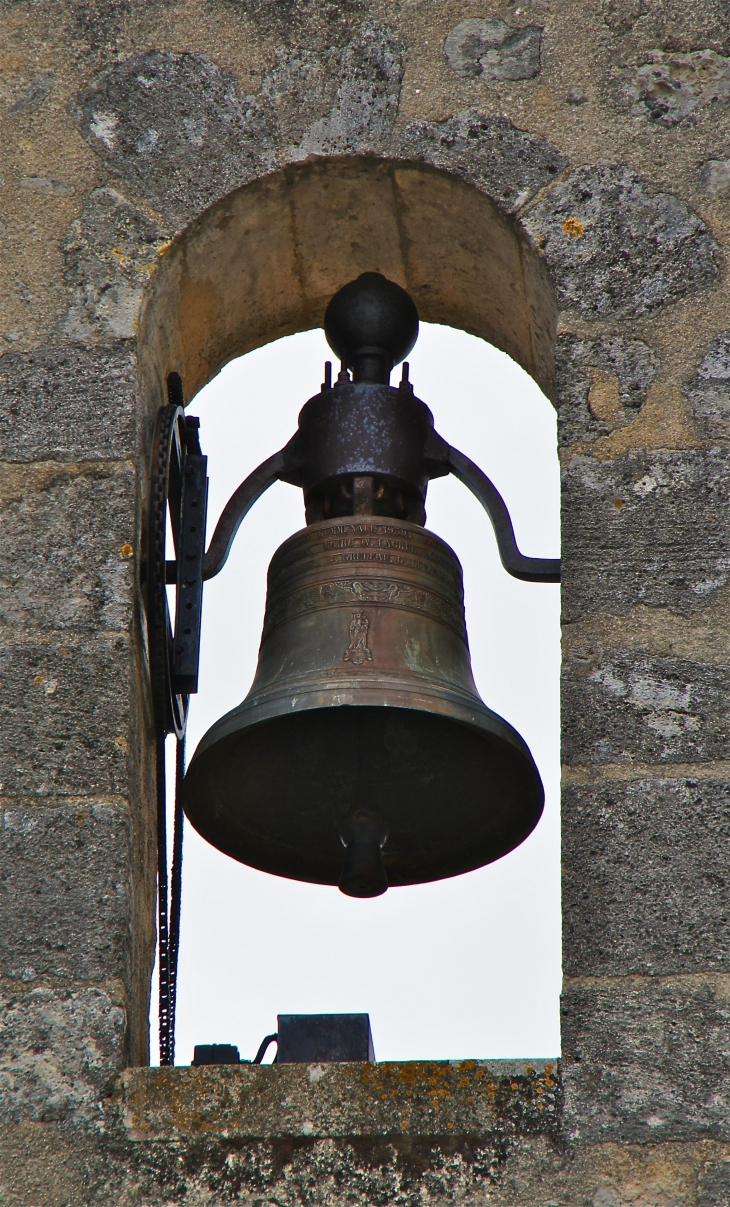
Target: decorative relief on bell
pixel 344 591
pixel 357 651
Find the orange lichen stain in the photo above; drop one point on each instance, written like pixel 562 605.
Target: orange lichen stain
pixel 127 551
pixel 122 259
pixel 574 227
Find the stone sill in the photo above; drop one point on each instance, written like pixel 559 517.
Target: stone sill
pixel 416 1098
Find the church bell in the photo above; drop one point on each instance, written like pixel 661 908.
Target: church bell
pixel 362 755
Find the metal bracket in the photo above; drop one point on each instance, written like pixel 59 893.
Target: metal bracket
pixel 528 569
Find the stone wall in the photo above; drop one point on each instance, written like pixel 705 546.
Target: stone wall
pixel 558 173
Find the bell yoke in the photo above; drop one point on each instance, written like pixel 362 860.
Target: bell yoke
pixel 363 755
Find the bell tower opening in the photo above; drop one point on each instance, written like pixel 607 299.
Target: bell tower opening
pixel 469 966
pixel 262 264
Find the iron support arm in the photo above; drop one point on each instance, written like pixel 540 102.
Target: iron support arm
pixel 529 569
pixel 237 508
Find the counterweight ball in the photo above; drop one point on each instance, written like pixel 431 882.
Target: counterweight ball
pixel 371 324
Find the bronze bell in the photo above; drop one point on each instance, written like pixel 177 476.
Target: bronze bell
pixel 363 755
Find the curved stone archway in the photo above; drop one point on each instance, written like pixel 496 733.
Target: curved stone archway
pixel 263 262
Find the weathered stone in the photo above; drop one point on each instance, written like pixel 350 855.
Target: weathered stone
pixel 670 86
pixel 60 1052
pixel 68 703
pixel 48 186
pixel 65 876
pixel 66 562
pixel 494 50
pixel 645 877
pixel 650 528
pixel 709 391
pixel 32 95
pixel 623 709
pixel 339 101
pixel 715 177
pixel 616 248
pixel 645 1059
pixel 68 403
pixel 671 24
pixel 626 367
pixel 421 1098
pixel 713 1188
pixel 175 128
pixel 508 164
pixel 111 251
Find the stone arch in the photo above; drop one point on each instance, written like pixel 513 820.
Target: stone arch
pixel 263 261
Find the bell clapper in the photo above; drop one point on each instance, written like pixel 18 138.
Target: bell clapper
pixel 363 835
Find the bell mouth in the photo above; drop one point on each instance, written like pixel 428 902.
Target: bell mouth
pixel 453 793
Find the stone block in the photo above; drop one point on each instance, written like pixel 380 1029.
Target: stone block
pixel 646 1059
pixel 650 528
pixel 67 558
pixel 620 708
pixel 60 1053
pixel 68 403
pixel 669 23
pixel 599 382
pixel 175 128
pixel 618 249
pixel 645 877
pixel 715 177
pixel 669 86
pixel 341 100
pixel 709 391
pixel 65 891
pixel 713 1187
pixel 65 716
pixel 111 251
pixel 487 1098
pixel 494 50
pixel 507 164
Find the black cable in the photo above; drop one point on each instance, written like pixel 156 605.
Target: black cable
pixel 176 890
pixel 268 1039
pixel 162 904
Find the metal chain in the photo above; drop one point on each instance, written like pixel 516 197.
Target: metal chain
pixel 168 910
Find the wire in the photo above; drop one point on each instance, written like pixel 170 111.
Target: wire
pixel 263 1046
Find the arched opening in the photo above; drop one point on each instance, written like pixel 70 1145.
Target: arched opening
pixel 264 263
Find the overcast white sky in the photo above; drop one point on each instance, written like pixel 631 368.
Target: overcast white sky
pixel 468 967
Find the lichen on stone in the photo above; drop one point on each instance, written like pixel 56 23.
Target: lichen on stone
pixel 508 164
pixel 639 250
pixel 494 50
pixel 669 86
pixel 582 365
pixel 709 391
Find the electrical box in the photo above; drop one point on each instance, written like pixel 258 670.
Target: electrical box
pixel 326 1038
